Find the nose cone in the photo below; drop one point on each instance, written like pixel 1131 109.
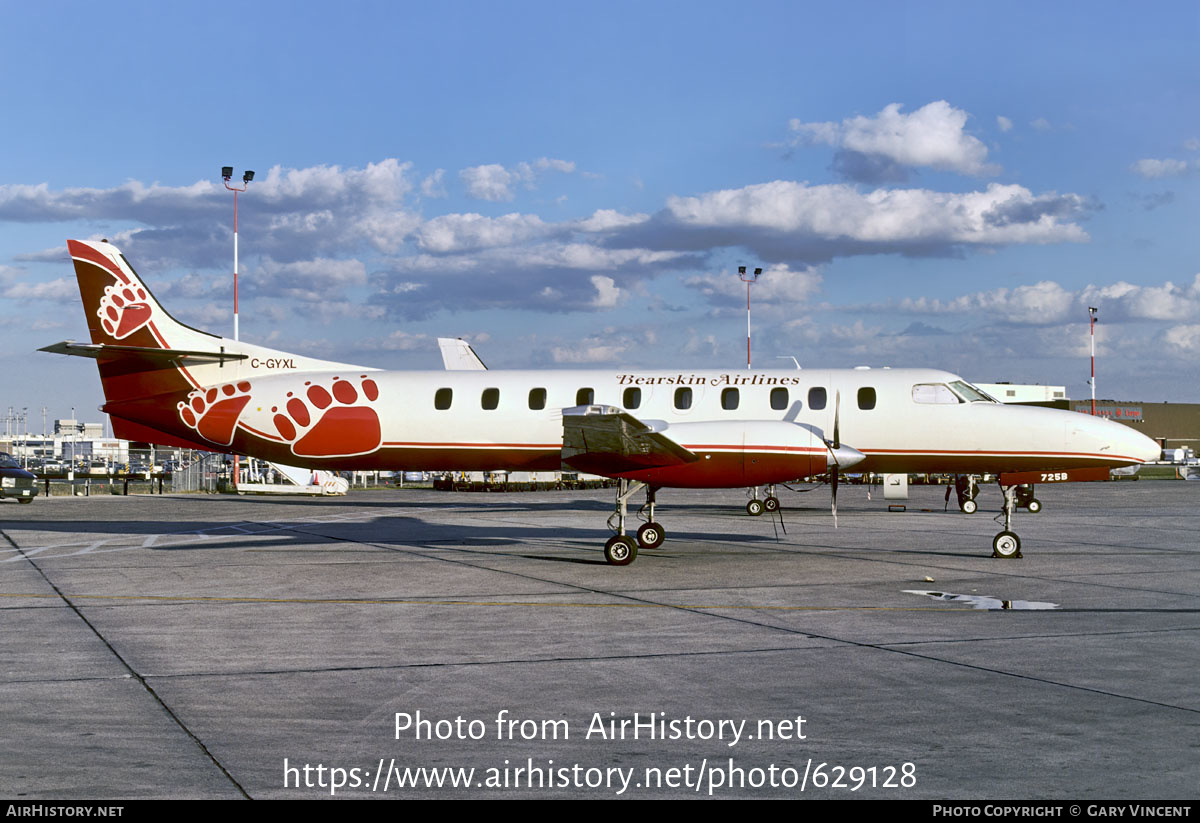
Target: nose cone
pixel 843 457
pixel 1125 445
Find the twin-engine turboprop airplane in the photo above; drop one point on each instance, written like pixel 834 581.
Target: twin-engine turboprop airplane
pixel 168 383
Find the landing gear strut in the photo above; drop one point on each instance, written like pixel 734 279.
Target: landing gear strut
pixel 621 549
pixel 1006 544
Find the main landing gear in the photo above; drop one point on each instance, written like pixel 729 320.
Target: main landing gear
pixel 621 549
pixel 967 489
pixel 1006 544
pixel 1026 500
pixel 770 503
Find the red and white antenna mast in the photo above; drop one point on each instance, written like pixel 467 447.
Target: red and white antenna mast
pixel 226 175
pixel 748 280
pixel 1092 328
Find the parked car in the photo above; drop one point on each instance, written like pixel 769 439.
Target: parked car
pixel 15 481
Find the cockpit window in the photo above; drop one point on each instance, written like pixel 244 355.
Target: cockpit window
pixel 934 393
pixel 972 394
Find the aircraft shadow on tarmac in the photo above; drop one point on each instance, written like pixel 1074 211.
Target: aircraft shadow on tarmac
pixel 385 532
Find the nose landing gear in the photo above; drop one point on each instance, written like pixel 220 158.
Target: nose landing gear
pixel 1007 544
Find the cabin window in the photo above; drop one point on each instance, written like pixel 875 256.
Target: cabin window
pixel 490 399
pixel 683 398
pixel 730 399
pixel 779 399
pixel 934 393
pixel 443 398
pixel 537 399
pixel 632 398
pixel 817 398
pixel 866 398
pixel 585 397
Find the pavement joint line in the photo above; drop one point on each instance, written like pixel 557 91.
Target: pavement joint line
pixel 1025 637
pixel 501 603
pixel 599 658
pixel 133 672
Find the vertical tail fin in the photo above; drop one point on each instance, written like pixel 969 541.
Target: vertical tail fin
pixel 119 308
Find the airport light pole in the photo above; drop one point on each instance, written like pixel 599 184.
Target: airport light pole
pixel 226 175
pixel 748 280
pixel 1092 330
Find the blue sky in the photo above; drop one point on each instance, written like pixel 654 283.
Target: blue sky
pixel 926 184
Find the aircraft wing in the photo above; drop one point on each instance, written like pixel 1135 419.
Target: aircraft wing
pixel 607 440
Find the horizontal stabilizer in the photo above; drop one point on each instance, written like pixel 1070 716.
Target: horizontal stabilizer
pixel 607 440
pixel 104 351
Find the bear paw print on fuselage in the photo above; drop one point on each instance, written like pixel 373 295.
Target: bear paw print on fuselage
pixel 123 310
pixel 338 421
pixel 214 412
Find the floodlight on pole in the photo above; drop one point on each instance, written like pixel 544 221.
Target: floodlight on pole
pixel 227 175
pixel 1092 310
pixel 748 280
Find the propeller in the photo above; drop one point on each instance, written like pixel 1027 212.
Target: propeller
pixel 840 457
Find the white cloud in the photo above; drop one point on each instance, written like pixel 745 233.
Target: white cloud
pixel 932 136
pixel 288 214
pixel 697 344
pixel 607 292
pixel 495 182
pixel 550 164
pixel 398 341
pixel 1153 169
pixel 844 216
pixel 1004 123
pixel 462 232
pixel 776 286
pixel 319 280
pixel 433 186
pixel 1125 301
pixel 1183 339
pixel 61 290
pixel 1041 124
pixel 1049 303
pixel 1041 303
pixel 490 182
pixel 607 219
pixel 591 350
pixel 575 256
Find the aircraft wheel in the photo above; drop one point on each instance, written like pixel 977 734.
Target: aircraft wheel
pixel 771 504
pixel 620 550
pixel 1006 544
pixel 651 536
pixel 969 506
pixel 1034 506
pixel 755 507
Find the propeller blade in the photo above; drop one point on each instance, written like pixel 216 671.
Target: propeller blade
pixel 834 484
pixel 837 410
